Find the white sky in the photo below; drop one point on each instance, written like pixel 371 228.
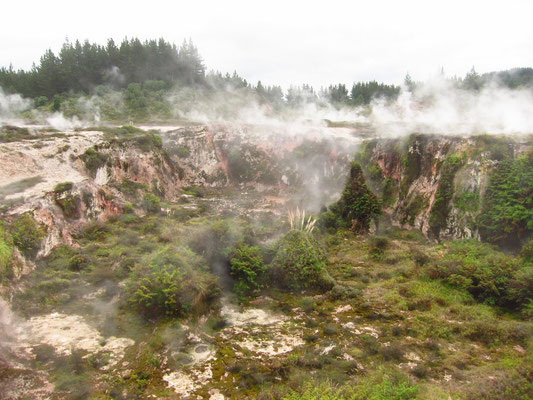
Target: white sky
pixel 283 42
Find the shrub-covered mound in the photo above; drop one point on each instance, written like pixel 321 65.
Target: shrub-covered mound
pixel 172 282
pixel 357 206
pixel 299 263
pixel 489 275
pixel 247 268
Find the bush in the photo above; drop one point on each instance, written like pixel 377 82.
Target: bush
pixel 246 266
pixel 128 208
pixel 378 245
pixel 94 160
pixel 6 250
pixel 357 205
pixel 151 203
pixel 27 235
pixel 323 391
pixel 69 204
pixel 127 134
pixel 489 275
pixel 172 282
pixel 299 262
pixel 506 217
pixel 94 231
pixel 393 386
pixel 131 188
pixel 527 252
pixel 214 240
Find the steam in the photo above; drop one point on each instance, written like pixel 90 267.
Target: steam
pixel 241 106
pixel 59 122
pixel 11 105
pixel 439 106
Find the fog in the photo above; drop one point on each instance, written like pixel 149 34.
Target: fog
pixel 439 106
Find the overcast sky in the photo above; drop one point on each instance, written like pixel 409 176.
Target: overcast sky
pixel 284 42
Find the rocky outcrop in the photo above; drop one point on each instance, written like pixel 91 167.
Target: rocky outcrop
pixel 82 176
pixel 436 183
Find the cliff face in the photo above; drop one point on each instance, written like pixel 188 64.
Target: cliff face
pixel 71 179
pixel 433 183
pixel 437 184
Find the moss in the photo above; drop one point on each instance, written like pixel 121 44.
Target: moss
pixel 445 191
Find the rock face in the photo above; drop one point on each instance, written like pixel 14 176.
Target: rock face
pixel 436 183
pixel 429 182
pixel 104 174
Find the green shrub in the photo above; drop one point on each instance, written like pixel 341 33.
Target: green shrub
pixel 144 140
pixel 506 217
pixel 69 204
pixel 151 203
pixel 10 133
pixel 321 391
pixel 381 386
pixel 247 268
pixel 329 221
pixel 527 251
pixel 128 208
pixel 194 191
pixel 214 240
pixel 357 205
pixel 489 275
pixel 299 262
pixel 94 231
pixel 378 246
pixel 131 188
pixel 6 250
pixel 172 282
pixel 94 160
pixel 27 235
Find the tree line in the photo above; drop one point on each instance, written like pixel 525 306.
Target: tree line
pixel 81 68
